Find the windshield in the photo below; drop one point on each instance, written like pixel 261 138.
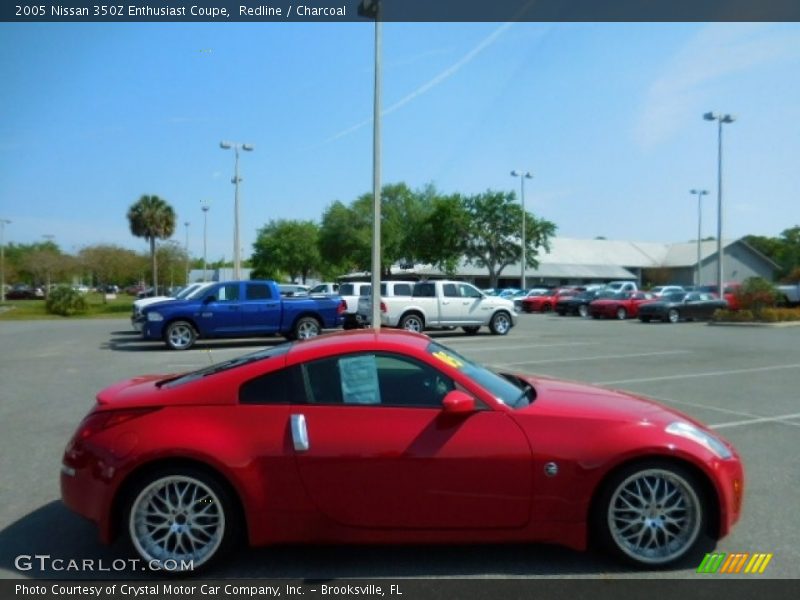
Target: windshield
pixel 245 359
pixel 192 291
pixel 506 388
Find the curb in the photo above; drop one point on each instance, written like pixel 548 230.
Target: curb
pixel 753 324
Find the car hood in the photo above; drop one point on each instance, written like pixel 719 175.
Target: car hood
pixel 142 302
pixel 555 397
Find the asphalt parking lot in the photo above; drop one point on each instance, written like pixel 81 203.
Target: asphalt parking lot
pixel 743 381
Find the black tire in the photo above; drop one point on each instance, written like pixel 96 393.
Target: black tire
pixel 562 313
pixel 412 322
pixel 501 323
pixel 471 330
pixel 546 308
pixel 180 335
pixel 658 499
pixel 644 319
pixel 160 501
pixel 305 328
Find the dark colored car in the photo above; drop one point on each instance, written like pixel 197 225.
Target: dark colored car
pixel 579 304
pixel 377 438
pixel 687 306
pixel 24 292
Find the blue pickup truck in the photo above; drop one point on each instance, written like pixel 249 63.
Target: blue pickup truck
pixel 239 309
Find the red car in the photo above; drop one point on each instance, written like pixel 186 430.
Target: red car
pixel 390 437
pixel 547 301
pixel 620 306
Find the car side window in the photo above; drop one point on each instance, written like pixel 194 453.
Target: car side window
pixel 257 291
pixel 402 289
pixel 467 291
pixel 272 388
pixel 228 292
pixel 375 379
pixel 424 290
pixel 450 290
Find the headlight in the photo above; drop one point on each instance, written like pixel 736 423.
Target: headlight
pixel 154 316
pixel 701 437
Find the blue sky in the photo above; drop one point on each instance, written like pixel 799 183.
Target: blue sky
pixel 608 118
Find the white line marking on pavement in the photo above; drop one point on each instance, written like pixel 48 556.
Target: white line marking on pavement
pixel 604 357
pixel 779 419
pixel 694 375
pixel 462 345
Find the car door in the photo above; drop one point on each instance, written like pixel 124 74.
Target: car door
pixel 221 310
pixel 452 307
pixel 474 303
pixel 261 312
pixel 374 449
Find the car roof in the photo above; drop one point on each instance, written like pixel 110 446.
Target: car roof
pixel 353 341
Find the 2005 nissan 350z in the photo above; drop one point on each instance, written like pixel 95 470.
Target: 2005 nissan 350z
pixel 390 437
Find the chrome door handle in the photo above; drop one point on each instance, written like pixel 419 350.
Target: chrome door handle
pixel 300 433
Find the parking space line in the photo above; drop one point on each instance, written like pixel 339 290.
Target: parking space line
pixel 510 347
pixel 728 411
pixel 780 419
pixel 694 375
pixel 604 357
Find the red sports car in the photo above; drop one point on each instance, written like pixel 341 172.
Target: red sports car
pixel 547 301
pixel 621 306
pixel 390 437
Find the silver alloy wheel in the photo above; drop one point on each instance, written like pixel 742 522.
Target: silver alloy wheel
pixel 177 518
pixel 673 315
pixel 654 516
pixel 180 335
pixel 307 328
pixel 501 323
pixel 412 323
pixel 583 310
pixel 622 314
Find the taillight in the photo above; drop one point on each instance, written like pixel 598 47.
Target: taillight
pixel 342 308
pixel 99 421
pixel 383 307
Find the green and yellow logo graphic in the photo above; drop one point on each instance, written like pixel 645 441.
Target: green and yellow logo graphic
pixel 737 562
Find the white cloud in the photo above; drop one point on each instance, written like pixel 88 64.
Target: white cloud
pixel 718 51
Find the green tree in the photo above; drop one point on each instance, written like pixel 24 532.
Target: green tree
pixel 345 237
pixel 171 257
pixel 287 246
pixel 152 218
pixel 494 238
pixel 110 264
pixel 784 250
pixel 442 235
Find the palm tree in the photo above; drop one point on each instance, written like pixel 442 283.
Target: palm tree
pixel 152 218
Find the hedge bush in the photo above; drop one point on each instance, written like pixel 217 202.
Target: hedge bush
pixel 756 294
pixel 65 301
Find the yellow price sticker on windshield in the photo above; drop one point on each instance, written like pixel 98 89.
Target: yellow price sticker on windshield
pixel 450 360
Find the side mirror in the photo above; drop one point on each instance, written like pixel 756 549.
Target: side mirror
pixel 457 402
pixel 209 299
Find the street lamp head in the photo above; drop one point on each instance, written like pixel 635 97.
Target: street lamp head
pixel 699 192
pixel 728 119
pixel 710 116
pixel 528 175
pixel 248 147
pixel 515 173
pixel 226 145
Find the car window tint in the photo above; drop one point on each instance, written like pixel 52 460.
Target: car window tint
pixel 272 388
pixel 346 289
pixel 467 291
pixel 424 290
pixel 402 289
pixel 228 292
pixel 450 290
pixel 257 291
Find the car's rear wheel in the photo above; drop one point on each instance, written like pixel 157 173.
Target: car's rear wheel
pixel 622 314
pixel 583 310
pixel 500 323
pixel 180 335
pixel 471 330
pixel 412 322
pixel 180 519
pixel 651 514
pixel 673 316
pixel 305 328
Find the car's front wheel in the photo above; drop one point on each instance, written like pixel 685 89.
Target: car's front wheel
pixel 673 316
pixel 180 519
pixel 651 514
pixel 500 323
pixel 622 314
pixel 180 335
pixel 583 310
pixel 412 322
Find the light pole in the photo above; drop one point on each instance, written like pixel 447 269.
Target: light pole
pixel 720 118
pixel 186 224
pixel 3 223
pixel 237 263
pixel 700 194
pixel 522 177
pixel 204 207
pixel 50 237
pixel 371 9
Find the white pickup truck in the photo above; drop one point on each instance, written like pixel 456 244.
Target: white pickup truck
pixel 390 290
pixel 449 304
